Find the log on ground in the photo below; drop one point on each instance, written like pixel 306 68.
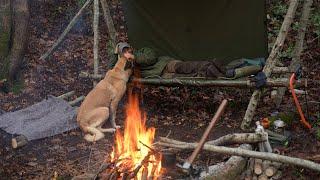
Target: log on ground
pixel 246 153
pixel 230 169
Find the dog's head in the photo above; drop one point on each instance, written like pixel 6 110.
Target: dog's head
pixel 123 49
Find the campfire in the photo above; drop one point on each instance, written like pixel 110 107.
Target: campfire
pixel 133 155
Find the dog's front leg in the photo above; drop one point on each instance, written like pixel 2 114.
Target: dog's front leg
pixel 113 112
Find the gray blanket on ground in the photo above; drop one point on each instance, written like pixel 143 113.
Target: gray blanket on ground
pixel 47 118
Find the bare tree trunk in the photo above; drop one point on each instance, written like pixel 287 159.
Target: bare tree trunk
pixel 20 35
pixel 5 35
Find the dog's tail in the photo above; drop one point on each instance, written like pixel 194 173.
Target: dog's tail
pixel 93 134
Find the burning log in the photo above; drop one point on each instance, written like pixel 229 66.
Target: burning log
pixel 144 173
pixel 143 162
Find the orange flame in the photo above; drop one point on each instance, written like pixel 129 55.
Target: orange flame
pixel 131 148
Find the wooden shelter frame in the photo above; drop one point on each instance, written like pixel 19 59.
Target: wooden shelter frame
pixel 271 67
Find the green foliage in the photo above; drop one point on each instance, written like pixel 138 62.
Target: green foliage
pixel 81 2
pixel 288 52
pixel 296 26
pixel 4 68
pixel 318 134
pixel 4 43
pixel 315 19
pixel 279 9
pixel 17 86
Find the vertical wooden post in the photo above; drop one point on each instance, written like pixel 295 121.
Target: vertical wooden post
pixel 111 44
pixel 270 64
pixel 298 46
pixel 95 39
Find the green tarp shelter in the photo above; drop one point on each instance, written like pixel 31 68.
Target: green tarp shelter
pixel 198 30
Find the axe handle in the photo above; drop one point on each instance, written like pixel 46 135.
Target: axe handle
pixel 208 130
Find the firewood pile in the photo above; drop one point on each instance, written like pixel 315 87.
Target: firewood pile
pixel 258 169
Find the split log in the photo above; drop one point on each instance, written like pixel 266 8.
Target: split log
pixel 66 95
pixel 263 177
pixel 227 170
pixel 248 174
pixel 95 39
pixel 257 166
pixel 270 63
pixel 66 31
pixel 19 141
pixel 270 171
pixel 111 44
pixel 246 153
pixel 76 101
pixel 295 62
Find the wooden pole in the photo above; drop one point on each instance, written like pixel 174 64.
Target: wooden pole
pixel 295 62
pixel 111 44
pixel 206 134
pixel 280 82
pixel 66 31
pixel 95 39
pixel 271 61
pixel 239 138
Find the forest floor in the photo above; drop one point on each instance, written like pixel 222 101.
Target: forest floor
pixel 185 112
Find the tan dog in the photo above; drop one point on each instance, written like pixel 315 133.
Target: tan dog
pixel 102 101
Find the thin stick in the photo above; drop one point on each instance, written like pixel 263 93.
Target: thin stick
pixel 66 31
pixel 77 100
pixel 66 95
